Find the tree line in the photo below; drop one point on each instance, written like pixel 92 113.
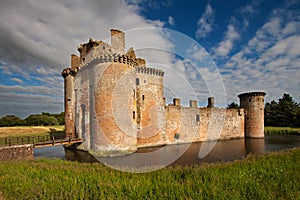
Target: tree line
pixel 44 119
pixel 285 112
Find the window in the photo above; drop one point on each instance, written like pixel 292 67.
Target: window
pixel 143 97
pixel 145 81
pixel 197 118
pixel 137 81
pixel 133 115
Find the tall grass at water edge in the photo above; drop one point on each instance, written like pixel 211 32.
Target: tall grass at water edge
pixel 272 176
pixel 282 130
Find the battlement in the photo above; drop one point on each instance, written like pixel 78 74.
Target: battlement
pixel 251 94
pixel 103 58
pixel 150 71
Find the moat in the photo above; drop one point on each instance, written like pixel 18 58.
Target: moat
pixel 223 151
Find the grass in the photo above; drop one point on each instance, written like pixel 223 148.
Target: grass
pixel 27 133
pixel 282 130
pixel 270 176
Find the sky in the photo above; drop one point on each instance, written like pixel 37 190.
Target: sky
pixel 218 48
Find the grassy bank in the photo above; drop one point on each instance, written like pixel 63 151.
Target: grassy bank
pixel 272 176
pixel 282 130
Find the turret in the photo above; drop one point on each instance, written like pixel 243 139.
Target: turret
pixel 69 76
pixel 253 103
pixel 117 41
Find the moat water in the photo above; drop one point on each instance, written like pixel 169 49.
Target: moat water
pixel 181 154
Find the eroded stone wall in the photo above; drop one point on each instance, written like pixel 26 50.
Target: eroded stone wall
pixel 150 112
pixel 16 152
pixel 190 124
pixel 117 103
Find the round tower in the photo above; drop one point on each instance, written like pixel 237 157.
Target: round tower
pixel 253 103
pixel 69 76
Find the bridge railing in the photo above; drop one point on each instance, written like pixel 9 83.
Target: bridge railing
pixel 36 140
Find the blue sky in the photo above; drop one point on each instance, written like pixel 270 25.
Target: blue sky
pixel 254 46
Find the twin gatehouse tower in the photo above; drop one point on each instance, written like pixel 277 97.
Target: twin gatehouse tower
pixel 113 101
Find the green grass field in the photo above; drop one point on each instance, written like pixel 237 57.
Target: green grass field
pixel 271 176
pixel 282 130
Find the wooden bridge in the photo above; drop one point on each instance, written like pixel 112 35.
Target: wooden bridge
pixel 39 141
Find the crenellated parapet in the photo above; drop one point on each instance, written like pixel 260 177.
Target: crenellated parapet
pixel 103 58
pixel 252 94
pixel 150 71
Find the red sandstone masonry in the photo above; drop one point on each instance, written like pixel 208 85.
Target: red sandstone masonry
pixel 91 96
pixel 16 152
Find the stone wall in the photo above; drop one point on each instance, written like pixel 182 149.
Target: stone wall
pixel 117 103
pixel 104 94
pixel 191 124
pixel 16 152
pixel 150 112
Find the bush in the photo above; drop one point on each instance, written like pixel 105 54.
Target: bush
pixel 41 120
pixel 11 120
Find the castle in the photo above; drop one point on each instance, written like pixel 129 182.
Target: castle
pixel 114 102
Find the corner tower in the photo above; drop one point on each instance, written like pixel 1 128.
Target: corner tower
pixel 69 76
pixel 253 103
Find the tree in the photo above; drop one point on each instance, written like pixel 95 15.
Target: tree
pixel 11 120
pixel 285 112
pixel 41 120
pixel 60 118
pixel 232 105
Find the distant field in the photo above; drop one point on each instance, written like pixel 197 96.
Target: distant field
pixel 282 130
pixel 29 131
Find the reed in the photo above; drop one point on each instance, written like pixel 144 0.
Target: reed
pixel 282 130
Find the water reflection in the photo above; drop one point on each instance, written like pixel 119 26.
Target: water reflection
pixel 187 154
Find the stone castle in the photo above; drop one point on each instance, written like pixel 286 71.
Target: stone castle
pixel 114 102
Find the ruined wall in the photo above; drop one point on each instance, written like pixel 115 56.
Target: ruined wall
pixel 187 128
pixel 192 124
pixel 114 104
pixel 117 41
pixel 150 113
pixel 83 109
pixel 16 152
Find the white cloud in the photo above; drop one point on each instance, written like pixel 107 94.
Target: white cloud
pixel 38 37
pixel 227 44
pixel 171 21
pixel 270 61
pixel 205 23
pixel 17 80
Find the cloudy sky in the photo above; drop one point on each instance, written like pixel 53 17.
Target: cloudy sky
pixel 254 45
